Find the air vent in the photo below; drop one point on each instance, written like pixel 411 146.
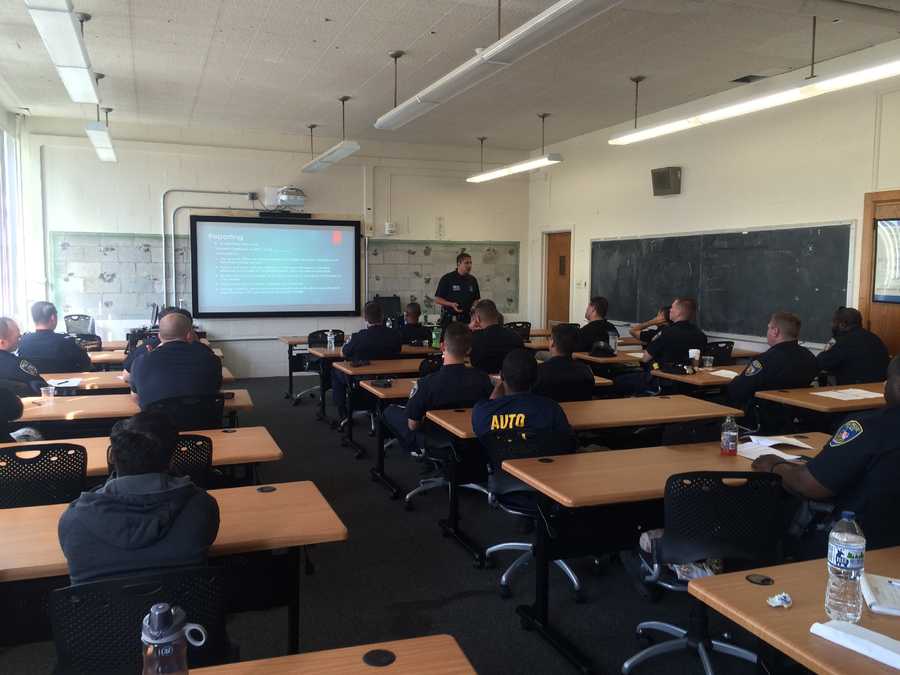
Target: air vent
pixel 747 79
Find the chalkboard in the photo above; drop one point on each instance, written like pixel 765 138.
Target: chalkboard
pixel 738 278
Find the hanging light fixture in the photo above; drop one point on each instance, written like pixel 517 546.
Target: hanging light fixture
pixel 546 159
pixel 335 153
pixel 98 133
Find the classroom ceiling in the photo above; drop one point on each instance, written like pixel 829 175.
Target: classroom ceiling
pixel 279 65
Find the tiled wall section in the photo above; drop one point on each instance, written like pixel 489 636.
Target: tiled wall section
pixel 114 276
pixel 412 269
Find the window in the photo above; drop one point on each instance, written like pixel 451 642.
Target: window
pixel 11 278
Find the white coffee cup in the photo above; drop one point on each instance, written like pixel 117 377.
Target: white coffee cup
pixel 694 356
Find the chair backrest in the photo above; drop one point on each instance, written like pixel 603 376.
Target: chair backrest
pixel 523 328
pixel 722 514
pixel 97 625
pixel 390 305
pixel 55 475
pixel 79 324
pixel 193 458
pixel 319 338
pixel 192 412
pixel 720 351
pixel 431 363
pixel 517 444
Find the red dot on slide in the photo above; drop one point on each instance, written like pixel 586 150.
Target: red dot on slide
pixel 336 236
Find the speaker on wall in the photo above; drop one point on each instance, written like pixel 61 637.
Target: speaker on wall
pixel 666 181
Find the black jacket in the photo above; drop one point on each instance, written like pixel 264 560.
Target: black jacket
pixel 490 345
pixel 375 342
pixel 786 365
pixel 594 331
pixel 856 356
pixel 54 352
pixel 563 379
pixel 415 333
pixel 176 369
pixel 137 523
pixel 673 342
pixel 20 375
pixel 10 409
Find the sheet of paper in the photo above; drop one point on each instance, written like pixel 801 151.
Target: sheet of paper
pixel 769 441
pixel 861 640
pixel 71 382
pixel 752 450
pixel 634 355
pixel 882 594
pixel 727 374
pixel 851 394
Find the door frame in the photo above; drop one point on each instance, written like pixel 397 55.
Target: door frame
pixel 545 234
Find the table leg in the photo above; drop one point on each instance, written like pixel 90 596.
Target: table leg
pixel 450 525
pixel 378 470
pixel 294 601
pixel 290 391
pixel 323 373
pixel 348 439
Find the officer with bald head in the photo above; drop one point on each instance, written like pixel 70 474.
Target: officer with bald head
pixel 180 366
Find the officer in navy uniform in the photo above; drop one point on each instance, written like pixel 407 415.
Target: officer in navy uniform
pixel 10 410
pixel 180 366
pixel 455 385
pixel 413 332
pixel 20 374
pixel 784 365
pixel 598 328
pixel 856 355
pixel 51 352
pixel 647 330
pixel 152 341
pixel 491 340
pixel 377 341
pixel 561 377
pixel 457 292
pixel 858 470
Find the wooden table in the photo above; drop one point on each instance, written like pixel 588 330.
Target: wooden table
pixel 435 655
pixel 337 355
pixel 628 341
pixel 539 333
pixel 805 397
pixel 618 492
pixel 117 357
pixel 293 515
pixel 110 406
pixel 113 345
pixel 631 358
pixel 292 342
pixel 607 413
pixel 400 390
pixel 106 380
pixel 702 377
pixel 788 630
pixel 741 353
pixel 244 445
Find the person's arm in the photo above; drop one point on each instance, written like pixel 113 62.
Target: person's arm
pixel 10 405
pixel 499 390
pixel 349 347
pixel 636 328
pixel 417 405
pixel 448 304
pixel 217 371
pixel 796 478
pixel 443 289
pixel 477 292
pixel 80 358
pixel 831 358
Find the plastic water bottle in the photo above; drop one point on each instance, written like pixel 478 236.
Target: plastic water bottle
pixel 165 634
pixel 329 336
pixel 846 561
pixel 729 436
pixel 436 337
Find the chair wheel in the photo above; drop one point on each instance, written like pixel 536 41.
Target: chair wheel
pixel 505 593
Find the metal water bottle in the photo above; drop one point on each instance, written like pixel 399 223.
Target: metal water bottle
pixel 166 634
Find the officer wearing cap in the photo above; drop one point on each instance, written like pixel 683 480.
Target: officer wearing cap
pixel 855 355
pixel 20 374
pixel 51 352
pixel 458 291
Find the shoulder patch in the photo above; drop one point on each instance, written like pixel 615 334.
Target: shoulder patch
pixel 27 367
pixel 848 431
pixel 415 389
pixel 754 367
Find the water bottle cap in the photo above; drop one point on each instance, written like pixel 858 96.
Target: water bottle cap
pixel 848 515
pixel 163 624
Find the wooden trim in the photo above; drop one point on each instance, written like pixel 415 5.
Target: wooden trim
pixel 866 261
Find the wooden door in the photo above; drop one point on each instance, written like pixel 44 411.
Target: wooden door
pixel 558 274
pixel 882 318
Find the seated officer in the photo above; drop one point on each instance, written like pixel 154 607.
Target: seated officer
pixel 855 355
pixel 376 341
pixel 152 341
pixel 597 327
pixel 142 519
pixel 51 352
pixel 783 366
pixel 513 406
pixel 180 366
pixel 413 332
pixel 19 374
pixel 560 377
pixel 10 410
pixel 647 330
pixel 491 340
pixel 455 385
pixel 858 470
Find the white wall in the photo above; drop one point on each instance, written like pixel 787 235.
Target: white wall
pixel 808 162
pixel 68 189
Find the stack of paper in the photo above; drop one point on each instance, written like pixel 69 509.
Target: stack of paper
pixel 861 640
pixel 727 374
pixel 882 594
pixel 769 441
pixel 851 394
pixel 71 382
pixel 764 445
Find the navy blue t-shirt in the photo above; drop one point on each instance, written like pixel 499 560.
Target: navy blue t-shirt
pixel 375 342
pixel 526 411
pixel 176 369
pixel 19 370
pixel 453 386
pixel 54 352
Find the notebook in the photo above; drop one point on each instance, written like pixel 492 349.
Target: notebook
pixel 882 594
pixel 727 374
pixel 71 382
pixel 852 394
pixel 861 640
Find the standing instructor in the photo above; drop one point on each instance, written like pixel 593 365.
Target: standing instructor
pixel 457 291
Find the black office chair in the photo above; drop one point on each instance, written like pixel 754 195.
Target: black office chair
pixel 391 306
pixel 431 363
pixel 732 515
pixel 97 625
pixel 518 499
pixel 54 476
pixel 523 328
pixel 192 412
pixel 79 324
pixel 720 351
pixel 307 362
pixel 193 458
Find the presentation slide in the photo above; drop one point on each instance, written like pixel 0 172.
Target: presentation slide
pixel 258 267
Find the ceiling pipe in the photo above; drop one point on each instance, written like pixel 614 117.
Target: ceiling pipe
pixel 847 10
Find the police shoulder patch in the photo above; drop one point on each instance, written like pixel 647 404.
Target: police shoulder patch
pixel 27 367
pixel 848 431
pixel 754 367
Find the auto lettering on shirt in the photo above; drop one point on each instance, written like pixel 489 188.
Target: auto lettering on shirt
pixel 507 421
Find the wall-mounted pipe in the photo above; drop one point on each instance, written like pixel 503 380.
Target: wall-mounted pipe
pixel 162 205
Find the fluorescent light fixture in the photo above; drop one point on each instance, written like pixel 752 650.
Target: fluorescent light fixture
pixel 61 34
pixel 81 84
pixel 58 5
pixel 331 156
pixel 549 25
pixel 106 154
pixel 801 93
pixel 519 167
pixel 98 133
